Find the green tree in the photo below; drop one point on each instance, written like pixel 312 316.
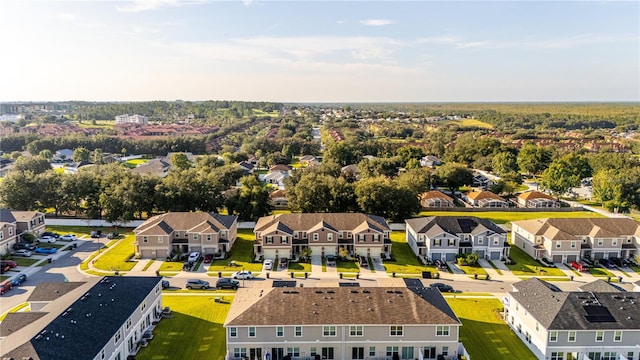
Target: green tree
pixel 410 152
pixel 532 158
pixel 98 156
pixel 16 191
pixel 46 154
pixel 418 180
pixel 383 197
pixel 618 191
pixel 454 175
pixel 81 154
pixel 505 163
pixel 180 161
pixel 558 178
pixel 34 165
pixel 251 201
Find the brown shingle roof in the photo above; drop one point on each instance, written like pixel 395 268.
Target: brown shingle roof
pixel 570 228
pixel 340 305
pixel 16 321
pixel 435 194
pixel 533 194
pixel 183 221
pixel 481 195
pixel 339 221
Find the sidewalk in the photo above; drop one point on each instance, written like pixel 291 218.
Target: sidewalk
pixel 490 270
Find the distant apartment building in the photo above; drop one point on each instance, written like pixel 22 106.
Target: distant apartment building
pixel 135 118
pixel 286 235
pixel 444 237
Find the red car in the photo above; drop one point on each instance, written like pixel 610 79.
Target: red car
pixel 5 286
pixel 208 258
pixel 12 264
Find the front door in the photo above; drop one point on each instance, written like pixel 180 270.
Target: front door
pixel 357 353
pixel 429 352
pixel 277 353
pixel 255 353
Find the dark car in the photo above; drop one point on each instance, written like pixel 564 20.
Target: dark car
pixel 95 234
pixel 606 263
pixel 442 287
pixel 226 283
pixel 363 262
pixel 197 284
pixel 50 234
pixel 24 245
pixel 617 261
pixel 19 279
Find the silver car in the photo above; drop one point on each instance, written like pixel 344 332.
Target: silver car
pixel 22 252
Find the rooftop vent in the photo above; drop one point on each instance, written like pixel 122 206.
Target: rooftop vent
pixel 318 291
pixel 331 292
pixel 354 291
pixel 366 291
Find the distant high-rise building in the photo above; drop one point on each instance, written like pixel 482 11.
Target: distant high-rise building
pixel 135 118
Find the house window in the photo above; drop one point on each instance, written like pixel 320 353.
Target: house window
pixel 285 240
pixel 329 330
pixel 144 239
pixel 558 245
pixel 313 351
pixel 600 242
pixel 372 351
pixel 279 331
pixel 329 237
pixel 144 306
pixel 571 336
pixel 128 323
pixel 293 351
pixel 553 336
pixel 269 240
pixel 208 237
pixel 573 244
pixel 617 336
pixel 391 350
pixel 376 238
pixel 118 336
pixel 10 230
pixel 396 330
pixel 496 241
pixel 599 336
pixel 451 242
pixel 445 350
pixel 233 332
pixel 407 352
pixel 437 242
pixel 614 242
pixel 327 353
pixel 480 240
pixel 557 355
pixel 239 352
pixel 252 331
pixel 361 237
pixel 297 331
pixel 160 239
pixel 356 330
pixel 442 330
pixel 315 237
pixel 195 236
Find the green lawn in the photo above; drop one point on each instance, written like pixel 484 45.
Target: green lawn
pixel 241 253
pixel 349 266
pixel 171 266
pixel 299 266
pixel 526 265
pixel 22 261
pixel 471 270
pixel 194 332
pixel 406 261
pixel 483 332
pixel 600 271
pixel 117 256
pixel 503 217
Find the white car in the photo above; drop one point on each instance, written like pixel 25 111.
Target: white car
pixel 242 275
pixel 68 237
pixel 194 256
pixel 268 264
pixel 47 239
pixel 22 252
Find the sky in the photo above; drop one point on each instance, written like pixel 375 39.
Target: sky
pixel 319 51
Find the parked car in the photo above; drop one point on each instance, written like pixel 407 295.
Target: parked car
pixel 268 264
pixel 243 275
pixel 440 264
pixel 442 287
pixel 363 262
pixel 580 266
pixel 12 264
pixel 68 237
pixel 50 233
pixel 47 239
pixel 616 261
pixel 5 286
pixel 95 234
pixel 165 284
pixel 4 268
pixel 208 258
pixel 112 235
pixel 194 257
pixel 18 279
pixel 22 252
pixel 197 284
pixel 45 250
pixel 330 260
pixel 23 245
pixel 226 283
pixel 606 263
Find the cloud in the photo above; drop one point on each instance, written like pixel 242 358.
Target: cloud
pixel 376 22
pixel 247 2
pixel 552 43
pixel 146 5
pixel 64 16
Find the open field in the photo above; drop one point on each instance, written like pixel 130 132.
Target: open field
pixel 241 254
pixel 503 217
pixel 104 124
pixel 484 333
pixel 469 123
pixel 116 258
pixel 526 265
pixel 194 332
pixel 406 261
pixel 260 113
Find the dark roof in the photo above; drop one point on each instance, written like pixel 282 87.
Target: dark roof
pixel 96 316
pixel 7 216
pixel 453 224
pixel 342 305
pixel 557 310
pixel 50 291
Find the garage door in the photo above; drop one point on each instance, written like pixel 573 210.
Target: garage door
pixel 436 256
pixel 161 254
pixel 598 255
pixel 557 259
pixel 481 254
pixel 146 253
pixel 451 257
pixel 571 258
pixel 495 255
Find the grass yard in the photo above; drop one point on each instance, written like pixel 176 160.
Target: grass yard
pixel 299 266
pixel 600 271
pixel 194 332
pixel 22 261
pixel 117 256
pixel 526 265
pixel 241 253
pixel 472 270
pixel 348 266
pixel 503 217
pixel 171 266
pixel 406 261
pixel 484 334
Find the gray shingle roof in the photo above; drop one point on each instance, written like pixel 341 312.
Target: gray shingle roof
pixel 453 224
